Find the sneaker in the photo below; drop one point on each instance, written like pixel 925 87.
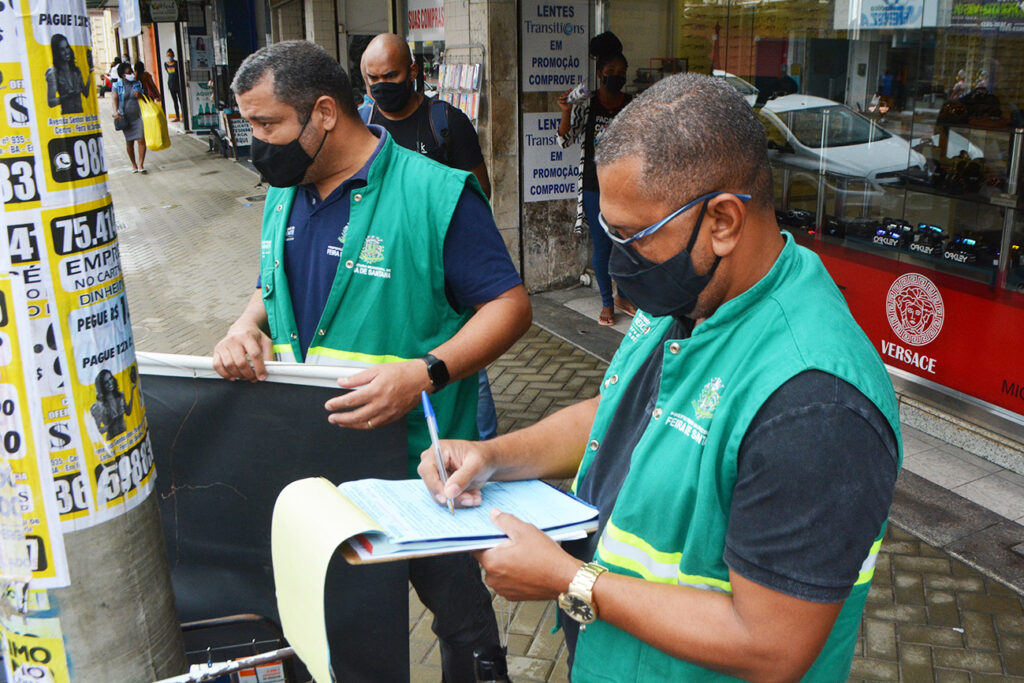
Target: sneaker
pixel 143 171
pixel 135 170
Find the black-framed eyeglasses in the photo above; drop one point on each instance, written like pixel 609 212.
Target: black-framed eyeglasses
pixel 614 235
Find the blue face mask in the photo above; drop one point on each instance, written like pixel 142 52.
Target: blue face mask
pixel 667 288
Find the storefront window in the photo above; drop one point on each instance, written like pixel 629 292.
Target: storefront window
pixel 429 54
pixel 892 129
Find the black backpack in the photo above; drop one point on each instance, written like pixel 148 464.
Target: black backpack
pixel 441 151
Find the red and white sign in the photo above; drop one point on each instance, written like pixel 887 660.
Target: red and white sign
pixel 264 673
pixel 915 309
pixel 425 20
pixel 958 333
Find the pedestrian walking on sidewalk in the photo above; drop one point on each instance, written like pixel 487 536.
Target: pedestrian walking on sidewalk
pixel 112 76
pixel 744 446
pixel 128 115
pixel 171 69
pixel 431 127
pixel 583 122
pixel 146 79
pixel 364 257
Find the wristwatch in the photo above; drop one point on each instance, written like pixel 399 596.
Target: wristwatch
pixel 578 600
pixel 437 371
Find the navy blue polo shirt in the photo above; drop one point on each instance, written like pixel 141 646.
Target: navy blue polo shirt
pixel 477 267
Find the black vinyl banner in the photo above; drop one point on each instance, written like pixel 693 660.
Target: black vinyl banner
pixel 223 451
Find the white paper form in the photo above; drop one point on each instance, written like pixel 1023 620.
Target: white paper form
pixel 407 513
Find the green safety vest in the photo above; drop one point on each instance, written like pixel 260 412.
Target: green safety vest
pixel 387 302
pixel 669 521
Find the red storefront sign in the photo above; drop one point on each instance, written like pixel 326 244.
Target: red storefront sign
pixel 964 335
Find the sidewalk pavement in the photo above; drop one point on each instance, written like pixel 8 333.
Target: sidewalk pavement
pixel 945 604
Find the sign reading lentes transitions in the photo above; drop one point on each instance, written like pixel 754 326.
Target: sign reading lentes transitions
pixel 554 45
pixel 549 172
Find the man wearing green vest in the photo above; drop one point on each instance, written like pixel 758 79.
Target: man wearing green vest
pixel 372 254
pixel 743 450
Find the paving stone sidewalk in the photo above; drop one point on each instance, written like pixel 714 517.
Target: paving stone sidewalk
pixel 189 243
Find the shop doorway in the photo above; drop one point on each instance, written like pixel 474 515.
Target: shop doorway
pixel 770 60
pixel 827 60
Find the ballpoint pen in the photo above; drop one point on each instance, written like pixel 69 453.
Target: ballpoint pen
pixel 428 412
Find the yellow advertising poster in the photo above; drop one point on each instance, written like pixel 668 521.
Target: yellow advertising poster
pixel 60 68
pixel 19 186
pixel 27 486
pixel 26 245
pixel 34 649
pixel 101 376
pixel 63 246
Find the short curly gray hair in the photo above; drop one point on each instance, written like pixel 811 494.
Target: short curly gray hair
pixel 694 134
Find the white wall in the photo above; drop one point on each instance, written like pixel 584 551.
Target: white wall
pixel 165 36
pixel 644 28
pixel 360 17
pixel 363 17
pixel 857 93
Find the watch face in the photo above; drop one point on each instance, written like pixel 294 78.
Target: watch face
pixel 576 608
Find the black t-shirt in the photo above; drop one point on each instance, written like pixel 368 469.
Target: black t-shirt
pixel 800 521
pixel 173 76
pixel 414 132
pixel 598 119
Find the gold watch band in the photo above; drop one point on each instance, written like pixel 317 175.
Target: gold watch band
pixel 583 582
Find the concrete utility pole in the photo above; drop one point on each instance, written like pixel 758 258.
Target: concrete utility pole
pixel 77 521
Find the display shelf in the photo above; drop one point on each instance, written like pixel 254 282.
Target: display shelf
pixel 995 198
pixel 459 86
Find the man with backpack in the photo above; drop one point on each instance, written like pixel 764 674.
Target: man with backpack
pixel 431 127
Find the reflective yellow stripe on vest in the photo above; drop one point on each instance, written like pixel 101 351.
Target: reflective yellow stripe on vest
pixel 867 569
pixel 321 355
pixel 623 549
pixel 283 353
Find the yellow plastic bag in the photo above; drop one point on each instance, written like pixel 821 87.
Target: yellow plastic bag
pixel 154 123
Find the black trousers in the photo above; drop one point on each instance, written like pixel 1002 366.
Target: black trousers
pixel 173 92
pixel 450 586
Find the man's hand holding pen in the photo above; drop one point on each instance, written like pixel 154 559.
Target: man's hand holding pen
pixel 529 565
pixel 467 466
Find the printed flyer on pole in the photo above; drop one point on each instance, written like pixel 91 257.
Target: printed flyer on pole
pixel 62 241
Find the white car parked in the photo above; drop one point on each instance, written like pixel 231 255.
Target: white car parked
pixel 806 132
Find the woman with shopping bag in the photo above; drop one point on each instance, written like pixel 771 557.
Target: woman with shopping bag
pixel 154 125
pixel 146 79
pixel 128 115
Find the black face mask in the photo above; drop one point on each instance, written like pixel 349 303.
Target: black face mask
pixel 614 83
pixel 667 288
pixel 391 97
pixel 283 165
